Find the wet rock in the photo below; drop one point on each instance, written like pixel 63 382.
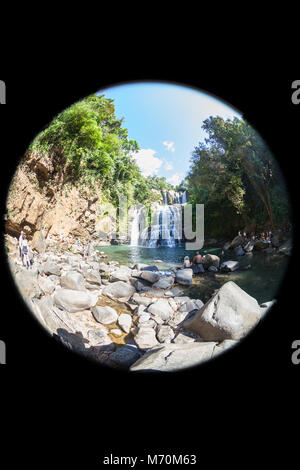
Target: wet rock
pixel 165 282
pixel 237 241
pixel 184 276
pixel 248 247
pixel 238 251
pixel 149 268
pixel 213 269
pixel 227 266
pixel 105 315
pixel 260 245
pixel 150 276
pixel 74 301
pixel 230 314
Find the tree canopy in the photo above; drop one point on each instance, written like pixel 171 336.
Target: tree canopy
pixel 236 177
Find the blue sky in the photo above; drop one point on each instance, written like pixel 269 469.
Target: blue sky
pixel 165 120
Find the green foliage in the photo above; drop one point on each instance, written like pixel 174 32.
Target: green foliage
pixel 159 183
pixel 94 150
pixel 236 177
pixel 92 141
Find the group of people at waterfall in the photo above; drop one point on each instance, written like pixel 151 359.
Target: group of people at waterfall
pixel 195 264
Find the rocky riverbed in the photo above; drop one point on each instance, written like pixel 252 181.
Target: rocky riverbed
pixel 136 317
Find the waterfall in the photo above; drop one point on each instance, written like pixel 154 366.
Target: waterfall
pixel 166 228
pixel 184 198
pixel 166 197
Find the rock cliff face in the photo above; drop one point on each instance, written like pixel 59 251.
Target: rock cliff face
pixel 42 197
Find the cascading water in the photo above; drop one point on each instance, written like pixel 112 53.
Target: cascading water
pixel 184 198
pixel 166 228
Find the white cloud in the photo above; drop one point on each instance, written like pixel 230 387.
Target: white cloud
pixel 148 164
pixel 175 179
pixel 168 166
pixel 169 145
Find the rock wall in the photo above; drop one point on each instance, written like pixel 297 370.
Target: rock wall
pixel 42 197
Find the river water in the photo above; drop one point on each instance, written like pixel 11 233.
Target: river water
pixel 262 281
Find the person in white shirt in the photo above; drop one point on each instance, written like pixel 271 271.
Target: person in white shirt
pixel 21 244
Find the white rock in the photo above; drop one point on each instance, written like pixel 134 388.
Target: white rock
pixel 105 315
pixel 125 320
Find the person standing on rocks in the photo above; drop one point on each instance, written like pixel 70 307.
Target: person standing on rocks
pixel 26 261
pixel 197 265
pixel 20 245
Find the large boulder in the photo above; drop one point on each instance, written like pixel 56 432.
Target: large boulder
pixel 28 284
pixel 164 283
pixel 120 275
pixel 150 276
pixel 184 276
pixel 119 290
pixel 105 315
pixel 230 266
pixel 51 268
pixel 230 314
pixel 248 247
pixel 74 301
pixel 210 260
pixel 162 308
pixel 72 280
pixel 237 241
pixel 93 276
pixel 172 357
